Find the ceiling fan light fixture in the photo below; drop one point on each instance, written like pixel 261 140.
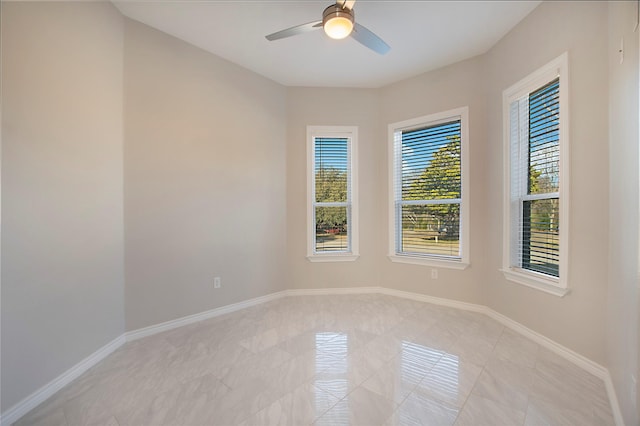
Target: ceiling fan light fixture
pixel 337 22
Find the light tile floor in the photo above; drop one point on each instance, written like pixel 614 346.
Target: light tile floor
pixel 333 360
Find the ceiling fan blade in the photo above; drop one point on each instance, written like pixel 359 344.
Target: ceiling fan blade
pixel 298 29
pixel 369 39
pixel 346 4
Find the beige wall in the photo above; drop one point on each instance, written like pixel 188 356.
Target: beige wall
pixel 372 110
pixel 622 325
pixel 204 171
pixel 334 107
pixel 578 320
pixel 207 144
pixel 62 221
pixel 458 85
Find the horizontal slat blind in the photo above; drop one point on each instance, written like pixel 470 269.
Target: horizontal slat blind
pixel 431 162
pixel 428 190
pixel 544 137
pixel 331 169
pixel 535 156
pixel 332 194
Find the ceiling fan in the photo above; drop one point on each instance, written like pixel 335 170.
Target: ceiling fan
pixel 338 22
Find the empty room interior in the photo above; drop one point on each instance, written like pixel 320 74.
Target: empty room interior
pixel 306 212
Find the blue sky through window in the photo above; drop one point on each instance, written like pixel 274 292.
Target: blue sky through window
pixel 544 133
pixel 331 153
pixel 418 146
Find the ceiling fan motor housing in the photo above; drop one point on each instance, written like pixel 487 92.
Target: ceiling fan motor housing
pixel 337 22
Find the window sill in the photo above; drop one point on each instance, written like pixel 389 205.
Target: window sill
pixel 333 257
pixel 546 285
pixel 424 261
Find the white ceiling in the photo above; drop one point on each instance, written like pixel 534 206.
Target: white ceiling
pixel 423 35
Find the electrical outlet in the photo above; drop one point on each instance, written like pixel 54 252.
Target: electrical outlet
pixel 217 282
pixel 434 274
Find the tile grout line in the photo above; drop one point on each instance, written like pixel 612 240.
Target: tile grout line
pixel 27 404
pixel 475 383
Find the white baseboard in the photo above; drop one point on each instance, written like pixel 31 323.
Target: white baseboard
pixel 613 399
pixel 388 292
pixel 566 353
pixel 433 300
pixel 332 291
pixel 32 401
pixel 14 413
pixel 190 319
pixel 581 361
pixel 23 407
pixel 574 357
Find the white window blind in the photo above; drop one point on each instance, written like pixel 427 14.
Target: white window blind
pixel 332 194
pixel 535 180
pixel 536 184
pixel 332 202
pixel 428 190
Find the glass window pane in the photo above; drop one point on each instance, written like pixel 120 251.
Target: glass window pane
pixel 431 229
pixel 331 229
pixel 331 169
pixel 540 236
pixel 431 162
pixel 544 139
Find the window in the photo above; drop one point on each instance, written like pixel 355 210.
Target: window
pixel 429 192
pixel 536 169
pixel 332 194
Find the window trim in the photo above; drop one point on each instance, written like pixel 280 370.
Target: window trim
pixel 559 67
pixel 461 113
pixel 350 132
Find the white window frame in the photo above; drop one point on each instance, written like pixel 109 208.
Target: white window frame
pixel 351 133
pixel 558 286
pixel 463 261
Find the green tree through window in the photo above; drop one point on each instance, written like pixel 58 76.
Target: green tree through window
pixel 331 186
pixel 440 180
pixel 431 189
pixel 331 194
